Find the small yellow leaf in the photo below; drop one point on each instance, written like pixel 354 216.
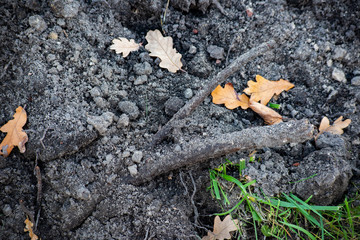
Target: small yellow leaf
pixel 162 47
pixel 263 90
pixel 229 97
pixel 15 135
pixel 336 128
pixel 28 228
pixel 270 116
pixel 124 46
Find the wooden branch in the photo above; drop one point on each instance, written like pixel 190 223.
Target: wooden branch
pixel 210 86
pixel 199 150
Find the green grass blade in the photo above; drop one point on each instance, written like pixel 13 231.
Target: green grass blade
pixel 349 218
pixel 311 236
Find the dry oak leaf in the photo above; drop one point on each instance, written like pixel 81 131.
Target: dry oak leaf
pixel 15 135
pixel 28 228
pixel 162 47
pixel 264 89
pixel 222 229
pixel 270 116
pixel 229 97
pixel 336 128
pixel 124 46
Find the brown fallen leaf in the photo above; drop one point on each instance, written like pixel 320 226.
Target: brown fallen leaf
pixel 336 128
pixel 263 90
pixel 222 229
pixel 124 46
pixel 270 116
pixel 15 135
pixel 229 97
pixel 162 47
pixel 28 228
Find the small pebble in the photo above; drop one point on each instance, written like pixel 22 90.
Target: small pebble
pixel 53 36
pixel 125 154
pixel 140 80
pixel 101 123
pixel 123 121
pixel 355 81
pixel 137 156
pixel 172 105
pixel 38 23
pixel 215 52
pixel 129 108
pixel 339 53
pixel 188 93
pixel 338 75
pixel 133 170
pixel 192 49
pixel 143 68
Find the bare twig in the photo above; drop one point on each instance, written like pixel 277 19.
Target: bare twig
pixel 199 150
pixel 210 86
pixel 43 137
pixel 26 211
pixel 196 212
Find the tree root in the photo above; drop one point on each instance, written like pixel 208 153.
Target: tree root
pixel 199 150
pixel 211 85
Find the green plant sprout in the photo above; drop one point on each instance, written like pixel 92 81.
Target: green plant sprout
pixel 274 105
pixel 285 216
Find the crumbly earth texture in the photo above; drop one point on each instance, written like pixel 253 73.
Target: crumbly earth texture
pixel 92 113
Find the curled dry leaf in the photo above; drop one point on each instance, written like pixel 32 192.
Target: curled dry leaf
pixel 270 116
pixel 336 128
pixel 28 228
pixel 15 135
pixel 124 46
pixel 263 90
pixel 222 229
pixel 162 47
pixel 229 97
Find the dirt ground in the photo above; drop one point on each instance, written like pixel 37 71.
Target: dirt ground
pixel 92 113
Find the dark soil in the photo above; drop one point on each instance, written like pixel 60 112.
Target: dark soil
pixel 92 113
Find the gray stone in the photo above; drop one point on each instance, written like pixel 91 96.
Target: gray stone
pixel 142 68
pixel 172 105
pixel 95 92
pixel 339 53
pixel 123 121
pixel 129 108
pixel 183 5
pixel 6 209
pixel 140 80
pixel 133 170
pixel 303 52
pixel 332 140
pixel 355 81
pixel 329 173
pixel 137 156
pixel 101 123
pixel 192 49
pixel 338 75
pixel 200 66
pixel 101 102
pixel 215 52
pixel 65 8
pixel 38 23
pixel 188 93
pixel 82 193
pixel 50 57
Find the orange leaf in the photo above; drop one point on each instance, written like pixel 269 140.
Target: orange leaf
pixel 229 97
pixel 28 228
pixel 15 135
pixel 270 116
pixel 336 128
pixel 222 229
pixel 264 89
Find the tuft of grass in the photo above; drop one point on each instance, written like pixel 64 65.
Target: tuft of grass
pixel 285 216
